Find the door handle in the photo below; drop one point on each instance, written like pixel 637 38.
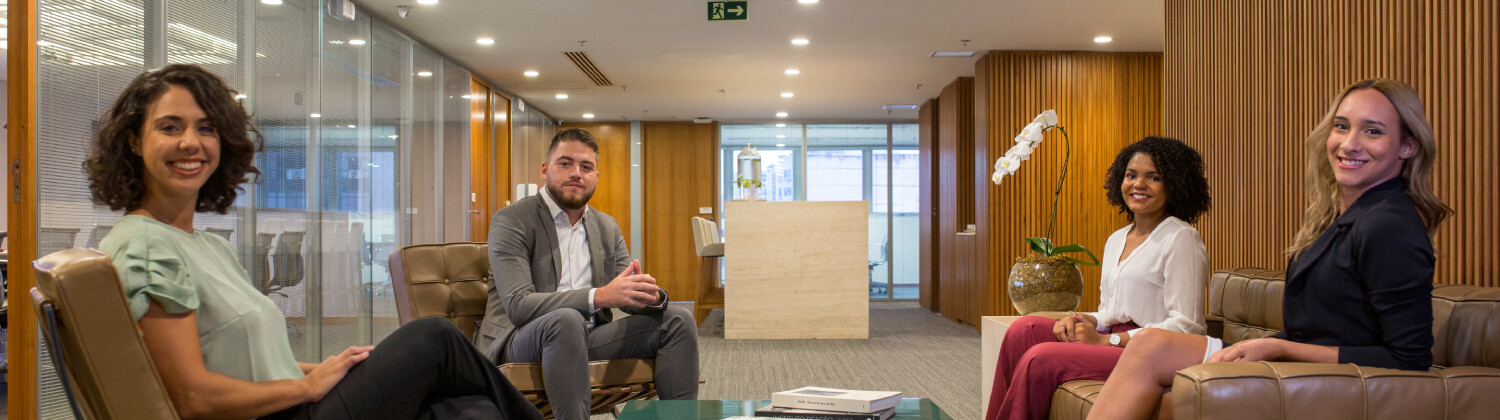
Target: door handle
pixel 474 211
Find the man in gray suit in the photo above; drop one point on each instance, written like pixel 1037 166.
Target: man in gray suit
pixel 552 256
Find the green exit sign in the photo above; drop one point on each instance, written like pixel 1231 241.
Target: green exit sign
pixel 728 10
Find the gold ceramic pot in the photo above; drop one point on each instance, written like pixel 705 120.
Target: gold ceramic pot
pixel 1040 284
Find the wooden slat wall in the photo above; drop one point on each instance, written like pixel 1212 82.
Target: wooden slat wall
pixel 955 162
pixel 1106 101
pixel 677 170
pixel 928 209
pixel 613 193
pixel 1246 81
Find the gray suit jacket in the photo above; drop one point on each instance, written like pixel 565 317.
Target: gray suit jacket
pixel 525 263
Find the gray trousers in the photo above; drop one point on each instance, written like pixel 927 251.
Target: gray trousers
pixel 561 342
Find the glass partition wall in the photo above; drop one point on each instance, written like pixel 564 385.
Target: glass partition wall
pixel 355 116
pixel 876 163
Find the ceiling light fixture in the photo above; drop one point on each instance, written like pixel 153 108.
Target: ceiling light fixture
pixel 807 1
pixel 799 41
pixel 793 72
pixel 351 125
pixel 467 96
pixel 787 94
pixel 485 41
pixel 424 73
pixel 316 115
pixel 562 96
pixel 427 1
pixel 271 2
pixel 531 73
pixel 781 115
pixel 588 115
pixel 240 96
pixel 356 41
pixel 1103 39
pixel 780 125
pixel 780 144
pixel 780 136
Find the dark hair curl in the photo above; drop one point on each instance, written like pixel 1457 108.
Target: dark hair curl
pixel 114 165
pixel 1181 170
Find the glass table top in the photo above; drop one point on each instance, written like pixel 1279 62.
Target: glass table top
pixel 910 409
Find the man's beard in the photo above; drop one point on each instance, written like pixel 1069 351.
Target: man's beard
pixel 566 202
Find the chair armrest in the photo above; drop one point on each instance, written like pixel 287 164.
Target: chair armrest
pixel 1284 390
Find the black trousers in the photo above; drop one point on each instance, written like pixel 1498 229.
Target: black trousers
pixel 426 369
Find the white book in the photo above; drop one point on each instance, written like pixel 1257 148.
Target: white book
pixel 815 398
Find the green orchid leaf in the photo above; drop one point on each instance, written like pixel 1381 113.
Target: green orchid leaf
pixel 1041 246
pixel 1078 248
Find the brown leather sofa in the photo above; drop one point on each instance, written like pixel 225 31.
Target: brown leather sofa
pixel 452 281
pixel 80 303
pixel 1464 382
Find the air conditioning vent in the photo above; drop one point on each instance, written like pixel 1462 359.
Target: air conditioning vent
pixel 586 65
pixel 952 53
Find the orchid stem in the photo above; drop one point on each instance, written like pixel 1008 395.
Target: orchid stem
pixel 1068 142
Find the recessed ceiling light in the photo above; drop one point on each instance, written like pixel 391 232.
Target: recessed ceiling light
pixel 240 96
pixel 427 1
pixel 531 73
pixel 485 41
pixel 780 115
pixel 780 144
pixel 467 96
pixel 780 125
pixel 799 41
pixel 780 136
pixel 424 73
pixel 952 53
pixel 787 94
pixel 316 115
pixel 356 41
pixel 562 96
pixel 271 2
pixel 807 1
pixel 351 125
pixel 793 72
pixel 1103 39
pixel 588 115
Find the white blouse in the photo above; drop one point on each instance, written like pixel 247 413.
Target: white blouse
pixel 1160 284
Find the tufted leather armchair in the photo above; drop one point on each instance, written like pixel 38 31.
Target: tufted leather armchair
pixel 1464 382
pixel 452 280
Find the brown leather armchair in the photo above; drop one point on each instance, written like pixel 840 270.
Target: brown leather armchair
pixel 452 280
pixel 1464 382
pixel 96 346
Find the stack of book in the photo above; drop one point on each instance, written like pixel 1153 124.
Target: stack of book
pixel 831 404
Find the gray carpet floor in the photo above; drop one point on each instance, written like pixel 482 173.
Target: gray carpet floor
pixel 911 350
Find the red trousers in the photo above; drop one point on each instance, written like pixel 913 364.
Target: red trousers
pixel 1033 363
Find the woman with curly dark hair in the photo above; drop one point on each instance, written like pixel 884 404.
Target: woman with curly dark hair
pixel 1153 276
pixel 177 143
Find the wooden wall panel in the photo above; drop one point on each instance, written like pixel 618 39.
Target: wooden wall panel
pixel 500 152
pixel 613 193
pixel 21 377
pixel 1246 81
pixel 928 210
pixel 955 162
pixel 1106 101
pixel 480 142
pixel 677 170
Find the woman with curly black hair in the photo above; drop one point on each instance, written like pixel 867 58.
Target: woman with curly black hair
pixel 177 143
pixel 1153 276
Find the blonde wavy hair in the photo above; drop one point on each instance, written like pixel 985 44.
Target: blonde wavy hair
pixel 1321 189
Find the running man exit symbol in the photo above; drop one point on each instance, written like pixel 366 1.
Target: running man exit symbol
pixel 728 10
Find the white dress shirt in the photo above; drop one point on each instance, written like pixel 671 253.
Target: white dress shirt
pixel 1159 285
pixel 573 248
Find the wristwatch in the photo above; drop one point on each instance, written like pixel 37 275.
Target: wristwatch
pixel 1114 340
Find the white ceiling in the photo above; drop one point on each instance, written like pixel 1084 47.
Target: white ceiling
pixel 674 63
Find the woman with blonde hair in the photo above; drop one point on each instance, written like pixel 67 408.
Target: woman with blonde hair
pixel 1359 284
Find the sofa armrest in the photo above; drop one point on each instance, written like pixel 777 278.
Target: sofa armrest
pixel 1284 390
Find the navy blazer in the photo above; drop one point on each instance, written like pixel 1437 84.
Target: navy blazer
pixel 1365 285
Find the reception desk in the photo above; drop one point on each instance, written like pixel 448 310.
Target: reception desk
pixel 796 270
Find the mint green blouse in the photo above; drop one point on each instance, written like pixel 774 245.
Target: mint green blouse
pixel 241 332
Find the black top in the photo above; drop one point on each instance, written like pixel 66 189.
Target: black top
pixel 1365 285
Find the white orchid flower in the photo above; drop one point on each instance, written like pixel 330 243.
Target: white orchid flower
pixel 1008 164
pixel 995 177
pixel 1021 151
pixel 1048 118
pixel 1031 134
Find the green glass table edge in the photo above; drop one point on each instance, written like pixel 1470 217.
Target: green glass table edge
pixel 909 409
